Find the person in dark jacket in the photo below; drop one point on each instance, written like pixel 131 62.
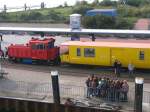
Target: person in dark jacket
pixel 1 36
pixel 2 54
pixel 115 66
pixel 118 68
pixel 88 81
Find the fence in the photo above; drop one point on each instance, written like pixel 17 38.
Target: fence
pixel 21 8
pixel 43 91
pixel 37 90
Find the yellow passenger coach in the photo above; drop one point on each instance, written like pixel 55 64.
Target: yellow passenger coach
pixel 105 53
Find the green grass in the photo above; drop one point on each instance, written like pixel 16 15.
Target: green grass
pixel 65 11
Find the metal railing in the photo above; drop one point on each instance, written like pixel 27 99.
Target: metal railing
pixel 146 97
pixel 23 89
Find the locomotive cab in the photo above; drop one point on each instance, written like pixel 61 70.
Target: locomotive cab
pixel 44 50
pixel 38 50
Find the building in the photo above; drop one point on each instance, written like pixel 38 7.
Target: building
pixel 107 12
pixel 142 24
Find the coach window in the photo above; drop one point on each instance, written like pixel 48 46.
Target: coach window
pixel 78 52
pixel 141 55
pixel 89 52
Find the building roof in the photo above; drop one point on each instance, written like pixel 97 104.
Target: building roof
pixel 142 24
pixel 108 44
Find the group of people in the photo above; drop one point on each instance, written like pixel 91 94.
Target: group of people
pixel 117 68
pixel 106 88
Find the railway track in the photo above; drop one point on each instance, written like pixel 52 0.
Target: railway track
pixel 75 70
pixel 64 69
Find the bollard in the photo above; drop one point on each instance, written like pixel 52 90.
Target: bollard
pixel 55 85
pixel 138 94
pixel 56 94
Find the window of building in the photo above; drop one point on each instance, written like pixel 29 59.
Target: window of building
pixel 78 52
pixel 89 52
pixel 141 55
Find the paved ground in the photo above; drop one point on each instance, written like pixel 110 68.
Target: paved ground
pixel 33 82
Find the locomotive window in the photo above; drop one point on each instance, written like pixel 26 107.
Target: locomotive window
pixel 34 46
pixel 141 55
pixel 50 44
pixel 41 46
pixel 89 52
pixel 78 52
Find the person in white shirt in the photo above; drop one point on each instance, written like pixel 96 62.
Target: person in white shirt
pixel 131 69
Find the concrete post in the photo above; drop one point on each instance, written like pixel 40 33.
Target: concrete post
pixel 138 94
pixel 55 85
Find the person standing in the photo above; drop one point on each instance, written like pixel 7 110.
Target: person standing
pixel 2 54
pixel 130 69
pixel 1 37
pixel 88 81
pixel 118 68
pixel 124 90
pixel 115 66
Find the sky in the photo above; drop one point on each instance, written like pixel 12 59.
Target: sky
pixel 49 3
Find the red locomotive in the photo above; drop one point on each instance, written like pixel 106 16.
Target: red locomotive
pixel 36 51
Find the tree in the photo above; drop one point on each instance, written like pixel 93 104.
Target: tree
pixel 81 9
pixel 134 2
pixel 108 3
pixel 99 21
pixel 107 22
pixel 55 16
pixel 65 4
pixel 95 2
